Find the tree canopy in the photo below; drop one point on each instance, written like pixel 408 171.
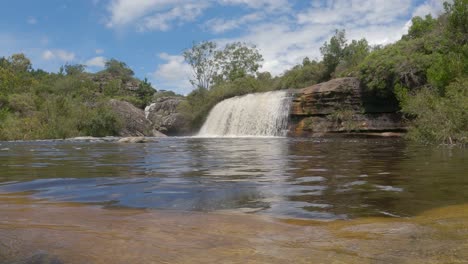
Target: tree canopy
pixel 211 65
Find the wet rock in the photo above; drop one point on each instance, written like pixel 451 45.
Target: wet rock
pixel 93 139
pixel 133 140
pixel 164 116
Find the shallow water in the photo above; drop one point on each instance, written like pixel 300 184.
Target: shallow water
pixel 233 200
pixel 33 231
pixel 281 177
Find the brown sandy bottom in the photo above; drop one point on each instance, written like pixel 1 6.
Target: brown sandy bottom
pixel 37 231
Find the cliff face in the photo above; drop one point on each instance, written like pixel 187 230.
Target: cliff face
pixel 164 116
pixel 340 106
pixel 134 122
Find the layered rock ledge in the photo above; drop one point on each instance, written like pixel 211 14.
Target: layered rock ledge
pixel 340 106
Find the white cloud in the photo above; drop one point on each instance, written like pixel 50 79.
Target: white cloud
pixel 98 62
pixel 356 12
pixel 268 5
pixel 32 20
pixel 99 51
pixel 163 14
pixel 433 7
pixel 48 55
pixel 153 14
pixel 283 37
pixel 285 42
pixel 174 73
pixel 179 14
pixel 59 54
pixel 220 25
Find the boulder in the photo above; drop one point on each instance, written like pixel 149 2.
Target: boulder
pixel 134 122
pixel 133 140
pixel 164 116
pixel 340 106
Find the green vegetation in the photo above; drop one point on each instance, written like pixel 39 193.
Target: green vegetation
pixel 220 74
pixel 426 73
pixel 35 104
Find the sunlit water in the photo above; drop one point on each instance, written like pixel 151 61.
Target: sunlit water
pixel 281 177
pixel 232 200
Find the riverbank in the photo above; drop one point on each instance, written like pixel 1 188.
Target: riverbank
pixel 74 233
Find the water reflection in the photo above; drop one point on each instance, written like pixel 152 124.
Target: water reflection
pixel 303 178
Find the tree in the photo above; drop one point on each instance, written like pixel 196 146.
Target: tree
pixel 20 63
pixel 333 52
pixel 210 65
pixel 458 19
pixel 353 54
pixel 119 68
pixel 201 58
pixel 145 91
pixel 237 60
pixel 420 27
pixel 75 69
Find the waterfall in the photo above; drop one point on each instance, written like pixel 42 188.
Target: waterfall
pixel 259 114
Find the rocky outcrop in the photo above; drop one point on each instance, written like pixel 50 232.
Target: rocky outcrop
pixel 133 140
pixel 103 79
pixel 164 116
pixel 134 123
pixel 339 106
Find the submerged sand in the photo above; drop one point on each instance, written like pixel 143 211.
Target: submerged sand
pixel 40 230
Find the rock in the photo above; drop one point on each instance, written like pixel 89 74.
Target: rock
pixel 164 115
pixel 133 140
pixel 92 139
pixel 339 106
pixel 134 122
pixel 104 78
pixel 324 98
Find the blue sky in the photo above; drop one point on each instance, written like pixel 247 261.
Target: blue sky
pixel 150 35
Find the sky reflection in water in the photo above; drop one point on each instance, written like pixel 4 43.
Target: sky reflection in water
pixel 299 178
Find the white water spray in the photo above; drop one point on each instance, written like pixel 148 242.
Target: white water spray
pixel 260 114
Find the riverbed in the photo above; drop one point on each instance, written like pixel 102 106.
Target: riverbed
pixel 233 200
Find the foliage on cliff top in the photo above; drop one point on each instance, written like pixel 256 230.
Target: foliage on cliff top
pixel 427 70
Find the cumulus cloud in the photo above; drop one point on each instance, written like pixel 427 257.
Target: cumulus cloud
pixel 98 62
pixel 355 12
pixel 268 5
pixel 285 42
pixel 59 54
pixel 161 15
pixel 220 25
pixel 173 73
pixel 153 14
pixel 283 37
pixel 163 21
pixel 433 7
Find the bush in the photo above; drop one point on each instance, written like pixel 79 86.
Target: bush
pixel 101 122
pixel 436 118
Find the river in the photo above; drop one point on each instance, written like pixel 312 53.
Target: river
pixel 261 199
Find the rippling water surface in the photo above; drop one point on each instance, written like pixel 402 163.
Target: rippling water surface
pixel 282 177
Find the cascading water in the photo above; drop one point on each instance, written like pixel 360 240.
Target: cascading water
pixel 260 114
